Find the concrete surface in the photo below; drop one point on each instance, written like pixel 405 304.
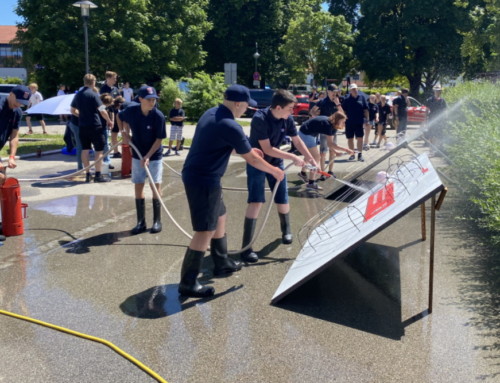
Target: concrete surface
pixel 362 320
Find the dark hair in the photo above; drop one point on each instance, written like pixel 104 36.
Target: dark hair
pixel 282 98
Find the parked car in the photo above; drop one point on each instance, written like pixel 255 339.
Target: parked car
pixel 417 112
pixel 5 89
pixel 301 108
pixel 263 98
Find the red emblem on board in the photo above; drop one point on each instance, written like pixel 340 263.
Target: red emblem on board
pixel 379 201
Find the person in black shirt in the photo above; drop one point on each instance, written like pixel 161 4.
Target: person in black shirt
pixel 400 111
pixel 176 117
pixel 87 106
pixel 217 134
pixel 437 116
pixel 110 85
pixel 269 127
pixel 384 110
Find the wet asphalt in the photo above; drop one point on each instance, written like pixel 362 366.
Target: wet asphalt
pixel 363 319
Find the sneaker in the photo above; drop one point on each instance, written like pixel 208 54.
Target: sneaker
pixel 117 155
pixel 111 167
pixel 303 177
pixel 366 147
pixel 314 186
pixel 332 174
pixel 322 178
pixel 377 146
pixel 101 178
pixel 352 158
pixel 360 158
pixel 177 153
pixel 167 153
pixel 373 143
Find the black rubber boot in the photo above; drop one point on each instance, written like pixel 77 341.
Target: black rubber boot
pixel 222 263
pixel 87 177
pixel 248 231
pixel 141 221
pixel 156 228
pixel 286 231
pixel 189 285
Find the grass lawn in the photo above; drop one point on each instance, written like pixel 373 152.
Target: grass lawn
pixel 30 144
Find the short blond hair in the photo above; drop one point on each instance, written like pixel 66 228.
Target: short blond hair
pixel 178 100
pixel 89 80
pixel 33 85
pixel 110 74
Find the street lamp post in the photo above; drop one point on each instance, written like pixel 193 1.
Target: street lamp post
pixel 256 55
pixel 85 7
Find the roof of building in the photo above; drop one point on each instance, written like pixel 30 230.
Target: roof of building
pixel 7 33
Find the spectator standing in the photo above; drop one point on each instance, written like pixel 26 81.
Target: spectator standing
pixel 36 98
pixel 373 116
pixel 313 97
pixel 115 109
pixel 202 172
pixel 400 111
pixel 268 129
pixel 147 124
pixel 384 110
pixel 107 101
pixel 437 116
pixel 127 92
pixel 176 117
pixel 87 106
pixel 110 85
pixel 356 110
pixel 61 92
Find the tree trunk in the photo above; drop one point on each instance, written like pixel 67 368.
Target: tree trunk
pixel 415 82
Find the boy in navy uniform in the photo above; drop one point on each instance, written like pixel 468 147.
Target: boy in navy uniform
pixel 400 111
pixel 269 127
pixel 356 109
pixel 202 172
pixel 176 117
pixel 147 124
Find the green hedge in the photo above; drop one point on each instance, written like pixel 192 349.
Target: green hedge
pixel 474 148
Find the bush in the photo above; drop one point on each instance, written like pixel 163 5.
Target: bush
pixel 473 148
pixel 169 91
pixel 205 91
pixel 10 80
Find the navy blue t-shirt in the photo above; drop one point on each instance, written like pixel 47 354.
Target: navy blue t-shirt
pixel 145 129
pixel 113 91
pixel 326 107
pixel 318 125
pixel 215 137
pixel 400 101
pixel 265 126
pixel 176 113
pixel 372 111
pixel 383 112
pixel 9 120
pixel 355 107
pixel 87 101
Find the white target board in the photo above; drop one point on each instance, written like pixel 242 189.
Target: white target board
pixel 408 186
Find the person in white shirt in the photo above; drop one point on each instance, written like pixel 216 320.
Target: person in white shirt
pixel 128 92
pixel 36 98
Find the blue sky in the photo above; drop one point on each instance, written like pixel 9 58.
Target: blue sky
pixel 7 15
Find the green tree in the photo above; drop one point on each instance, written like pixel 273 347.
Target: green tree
pixel 320 43
pixel 237 26
pixel 139 39
pixel 205 91
pixel 169 91
pixel 347 8
pixel 481 47
pixel 420 40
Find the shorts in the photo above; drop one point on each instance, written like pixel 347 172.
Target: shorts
pixel 256 186
pixel 205 205
pixel 38 117
pixel 176 132
pixel 115 129
pixel 323 145
pixel 309 141
pixel 139 174
pixel 92 136
pixel 372 123
pixel 384 130
pixel 354 130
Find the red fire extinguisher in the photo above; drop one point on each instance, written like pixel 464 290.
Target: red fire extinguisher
pixel 13 211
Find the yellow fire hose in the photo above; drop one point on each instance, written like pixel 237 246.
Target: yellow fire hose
pixel 130 358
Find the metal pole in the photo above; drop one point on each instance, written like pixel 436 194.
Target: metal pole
pixel 431 257
pixel 85 32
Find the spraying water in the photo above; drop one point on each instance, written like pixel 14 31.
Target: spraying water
pixel 351 185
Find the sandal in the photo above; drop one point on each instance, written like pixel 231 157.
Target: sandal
pixel 30 132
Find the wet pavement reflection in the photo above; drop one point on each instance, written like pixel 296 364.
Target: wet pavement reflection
pixel 362 319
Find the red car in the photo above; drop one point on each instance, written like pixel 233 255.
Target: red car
pixel 417 112
pixel 301 108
